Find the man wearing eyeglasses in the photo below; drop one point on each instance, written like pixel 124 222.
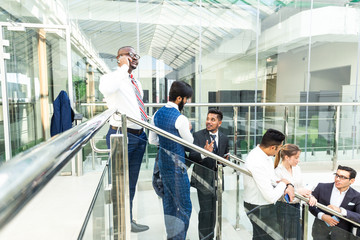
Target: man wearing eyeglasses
pixel 340 197
pixel 123 92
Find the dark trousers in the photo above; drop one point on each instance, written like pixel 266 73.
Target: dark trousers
pixel 265 214
pixel 176 200
pixel 320 231
pixel 288 216
pixel 136 150
pixel 207 215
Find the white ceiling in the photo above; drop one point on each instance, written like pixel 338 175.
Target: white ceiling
pixel 168 30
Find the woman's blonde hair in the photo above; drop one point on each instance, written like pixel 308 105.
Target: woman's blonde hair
pixel 286 150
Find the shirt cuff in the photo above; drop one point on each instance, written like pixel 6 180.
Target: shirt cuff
pixel 283 184
pixel 124 68
pixel 320 214
pixel 343 211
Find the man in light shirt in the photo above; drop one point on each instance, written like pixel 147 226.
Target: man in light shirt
pixel 176 199
pixel 340 197
pixel 123 92
pixel 263 189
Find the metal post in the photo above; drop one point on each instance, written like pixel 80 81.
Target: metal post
pixel 248 128
pixel 79 161
pixel 219 186
pixel 336 136
pixel 235 128
pixel 120 183
pixel 237 223
pixel 305 219
pixel 296 119
pixel 286 123
pixel 92 149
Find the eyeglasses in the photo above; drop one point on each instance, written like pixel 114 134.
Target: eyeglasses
pixel 341 177
pixel 132 55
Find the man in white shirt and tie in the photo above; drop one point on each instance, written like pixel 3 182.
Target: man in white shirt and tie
pixel 263 189
pixel 123 92
pixel 203 176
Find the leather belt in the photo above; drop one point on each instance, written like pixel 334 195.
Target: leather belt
pixel 130 130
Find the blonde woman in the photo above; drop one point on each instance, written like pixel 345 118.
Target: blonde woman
pixel 286 166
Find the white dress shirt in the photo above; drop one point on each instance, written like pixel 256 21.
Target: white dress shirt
pixel 295 177
pixel 181 124
pixel 119 93
pixel 262 188
pixel 336 199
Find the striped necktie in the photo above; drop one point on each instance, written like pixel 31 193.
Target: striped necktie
pixel 140 102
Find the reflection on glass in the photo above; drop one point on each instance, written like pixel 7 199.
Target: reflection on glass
pixel 2 140
pixel 99 221
pixel 23 90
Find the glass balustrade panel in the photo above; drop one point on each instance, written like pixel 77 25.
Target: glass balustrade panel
pixel 99 224
pixel 149 206
pixel 317 227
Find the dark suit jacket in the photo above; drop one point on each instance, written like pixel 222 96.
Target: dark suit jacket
pixel 351 203
pixel 63 114
pixel 204 176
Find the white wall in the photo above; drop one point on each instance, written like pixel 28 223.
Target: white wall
pixel 293 67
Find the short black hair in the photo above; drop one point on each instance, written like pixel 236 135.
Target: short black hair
pixel 216 111
pixel 180 88
pixel 272 137
pixel 348 169
pixel 124 47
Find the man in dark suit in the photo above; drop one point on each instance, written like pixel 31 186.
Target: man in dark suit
pixel 205 169
pixel 340 197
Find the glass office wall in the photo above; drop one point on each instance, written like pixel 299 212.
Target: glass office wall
pixel 2 138
pixel 35 74
pixel 78 70
pixel 228 51
pixel 23 89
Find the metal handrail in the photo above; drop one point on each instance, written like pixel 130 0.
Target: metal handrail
pixel 25 175
pixel 224 161
pixel 189 145
pixel 310 104
pixel 326 209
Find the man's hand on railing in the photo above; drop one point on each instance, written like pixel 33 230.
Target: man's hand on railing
pixel 335 208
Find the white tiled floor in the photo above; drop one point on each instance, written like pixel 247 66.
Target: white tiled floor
pixel 58 212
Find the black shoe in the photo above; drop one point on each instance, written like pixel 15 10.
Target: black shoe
pixel 135 227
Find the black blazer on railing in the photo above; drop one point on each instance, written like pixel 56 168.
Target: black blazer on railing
pixel 351 203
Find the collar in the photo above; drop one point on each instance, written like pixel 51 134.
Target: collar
pixel 173 105
pixel 216 134
pixel 337 190
pixel 262 152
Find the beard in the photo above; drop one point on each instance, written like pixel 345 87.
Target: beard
pixel 181 105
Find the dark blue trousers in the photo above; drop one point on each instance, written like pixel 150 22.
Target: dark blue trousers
pixel 136 150
pixel 176 200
